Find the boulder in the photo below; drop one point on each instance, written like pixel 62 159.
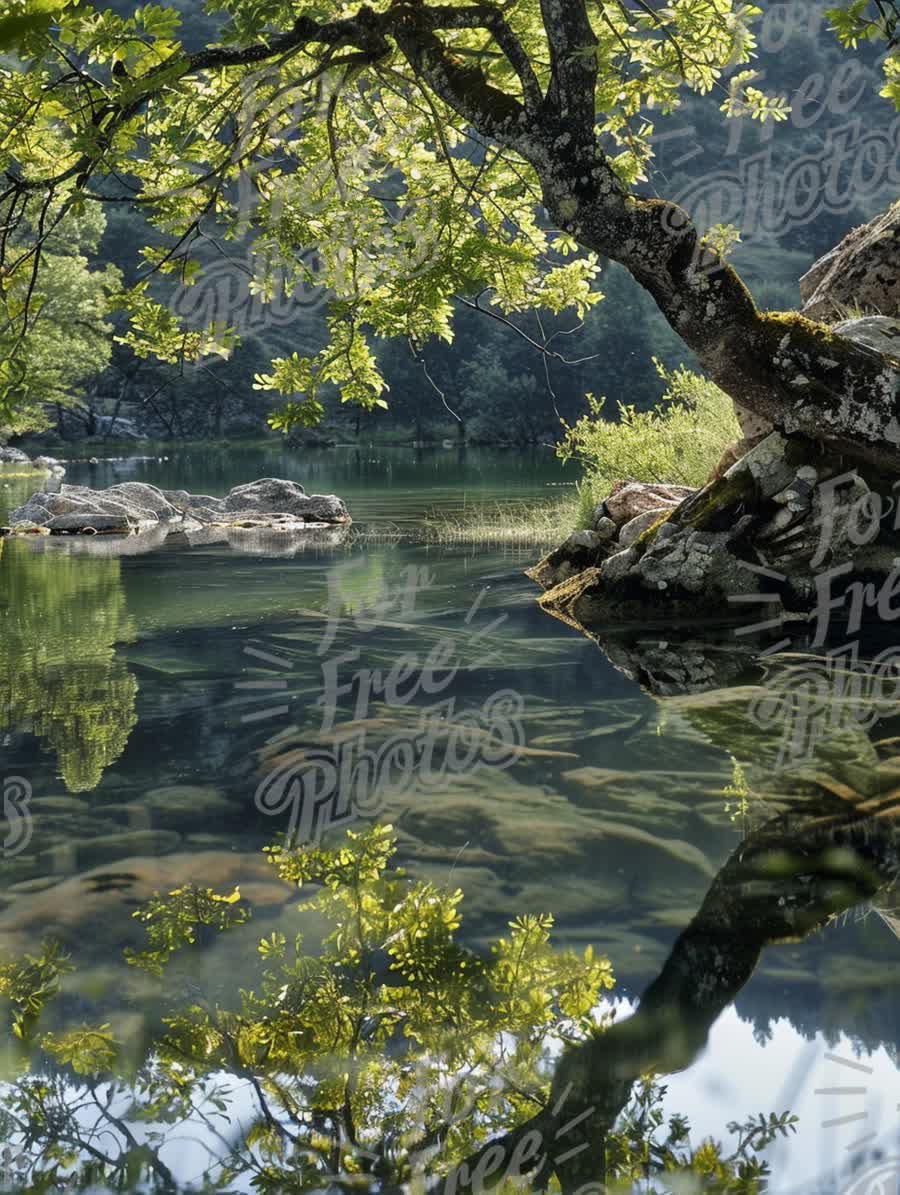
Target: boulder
pixel 266 494
pixel 876 332
pixel 13 456
pixel 80 503
pixel 146 497
pixel 641 523
pixel 630 499
pixel 863 271
pixel 271 496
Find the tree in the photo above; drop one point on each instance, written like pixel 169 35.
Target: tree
pixel 53 328
pixel 415 146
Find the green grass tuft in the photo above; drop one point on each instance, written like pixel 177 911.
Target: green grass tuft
pixel 517 524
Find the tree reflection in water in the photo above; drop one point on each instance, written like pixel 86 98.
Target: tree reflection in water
pixel 60 621
pixel 395 1058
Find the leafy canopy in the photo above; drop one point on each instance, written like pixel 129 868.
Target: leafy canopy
pixel 397 140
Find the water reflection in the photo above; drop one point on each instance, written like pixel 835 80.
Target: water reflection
pixel 60 622
pixel 391 1054
pixel 669 828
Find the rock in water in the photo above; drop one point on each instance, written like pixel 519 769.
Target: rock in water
pixel 147 497
pixel 135 508
pixel 750 546
pixel 13 456
pixel 81 509
pixel 267 494
pixel 271 496
pixel 862 271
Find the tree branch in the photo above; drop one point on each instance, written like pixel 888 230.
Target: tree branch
pixel 573 65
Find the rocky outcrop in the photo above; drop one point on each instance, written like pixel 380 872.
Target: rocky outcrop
pixel 136 509
pixel 13 456
pixel 630 510
pixel 862 271
pixel 751 547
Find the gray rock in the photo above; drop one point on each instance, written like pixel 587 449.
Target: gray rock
pixel 584 539
pixel 13 456
pixel 605 528
pixel 77 502
pixel 639 524
pixel 582 550
pixel 876 332
pixel 269 494
pixel 767 465
pixel 617 567
pixel 863 270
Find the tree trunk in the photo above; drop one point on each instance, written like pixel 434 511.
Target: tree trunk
pixel 796 374
pixel 790 371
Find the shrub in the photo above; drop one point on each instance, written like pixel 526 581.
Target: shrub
pixel 679 441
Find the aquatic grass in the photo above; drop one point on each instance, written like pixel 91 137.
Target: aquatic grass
pixel 514 523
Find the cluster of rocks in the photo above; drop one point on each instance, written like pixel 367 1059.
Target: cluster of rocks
pixel 753 534
pixel 41 464
pixel 631 509
pixel 748 546
pixel 134 508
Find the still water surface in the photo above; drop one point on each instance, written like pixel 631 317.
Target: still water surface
pixel 159 706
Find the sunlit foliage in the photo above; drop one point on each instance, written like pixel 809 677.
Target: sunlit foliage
pixel 678 441
pixel 336 142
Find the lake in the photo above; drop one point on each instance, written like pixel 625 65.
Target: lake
pixel 163 712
